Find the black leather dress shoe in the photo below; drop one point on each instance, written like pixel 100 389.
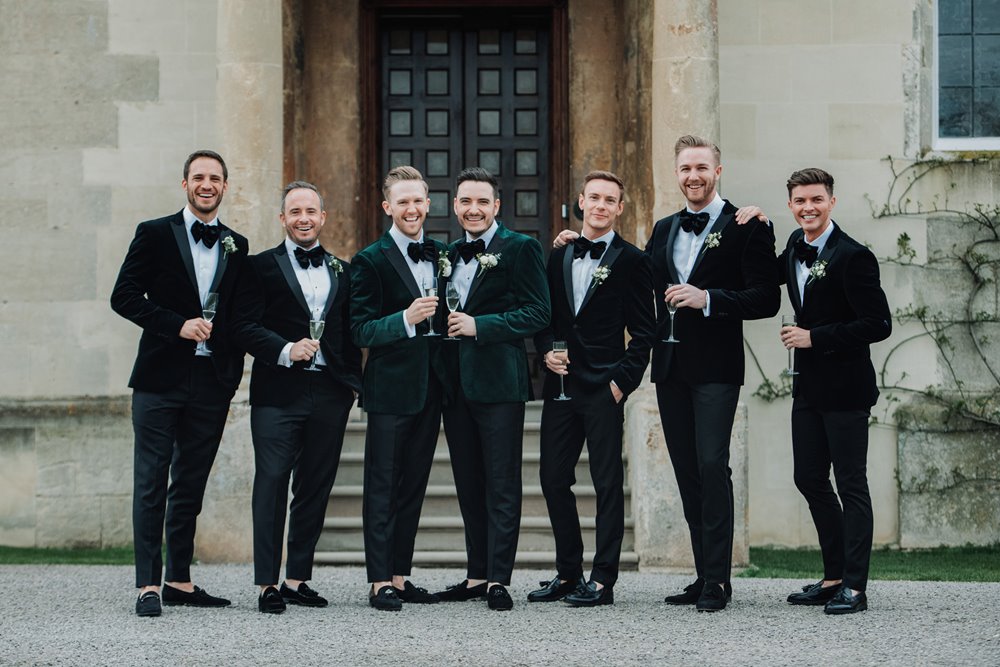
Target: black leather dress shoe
pixel 498 599
pixel 413 595
pixel 693 592
pixel 461 592
pixel 589 596
pixel 199 598
pixel 305 596
pixel 713 598
pixel 844 602
pixel 148 604
pixel 270 601
pixel 385 599
pixel 556 589
pixel 814 594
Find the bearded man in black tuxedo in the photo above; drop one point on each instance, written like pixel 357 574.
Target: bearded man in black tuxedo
pixel 184 377
pixel 600 287
pixel 303 384
pixel 840 308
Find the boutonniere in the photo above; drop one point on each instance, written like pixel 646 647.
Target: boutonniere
pixel 228 246
pixel 487 261
pixel 817 271
pixel 601 274
pixel 335 264
pixel 711 241
pixel 444 264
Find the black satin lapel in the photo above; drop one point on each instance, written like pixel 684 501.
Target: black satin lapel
pixel 398 262
pixel 334 285
pixel 181 235
pixel 285 264
pixel 829 250
pixel 495 248
pixel 567 272
pixel 720 224
pixel 609 257
pixel 220 268
pixel 669 249
pixel 793 279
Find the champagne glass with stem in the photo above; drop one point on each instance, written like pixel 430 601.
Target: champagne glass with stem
pixel 431 289
pixel 316 326
pixel 208 313
pixel 559 348
pixel 789 321
pixel 671 310
pixel 452 300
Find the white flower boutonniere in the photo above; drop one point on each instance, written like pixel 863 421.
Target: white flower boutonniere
pixel 228 246
pixel 487 261
pixel 335 264
pixel 711 241
pixel 601 274
pixel 444 265
pixel 816 271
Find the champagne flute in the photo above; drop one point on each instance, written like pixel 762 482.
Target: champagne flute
pixel 430 289
pixel 316 327
pixel 789 321
pixel 452 300
pixel 559 348
pixel 208 313
pixel 672 310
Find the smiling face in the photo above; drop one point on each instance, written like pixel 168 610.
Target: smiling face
pixel 302 217
pixel 697 174
pixel 475 207
pixel 205 184
pixel 408 203
pixel 601 203
pixel 811 205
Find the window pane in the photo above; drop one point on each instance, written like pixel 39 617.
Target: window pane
pixel 987 60
pixel 399 158
pixel 955 112
pixel 489 82
pixel 955 61
pixel 437 42
pixel 954 16
pixel 526 203
pixel 437 82
pixel 986 14
pixel 526 163
pixel 987 112
pixel 399 42
pixel 437 123
pixel 525 121
pixel 490 161
pixel 399 82
pixel 437 163
pixel 525 41
pixel 526 82
pixel 400 124
pixel 489 41
pixel 489 122
pixel 440 201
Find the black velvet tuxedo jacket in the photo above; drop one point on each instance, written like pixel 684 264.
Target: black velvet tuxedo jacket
pixel 741 276
pixel 272 312
pixel 157 290
pixel 398 368
pixel 845 311
pixel 596 335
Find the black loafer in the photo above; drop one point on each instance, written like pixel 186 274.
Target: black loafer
pixel 590 596
pixel 199 598
pixel 556 589
pixel 498 599
pixel 270 601
pixel 304 596
pixel 814 594
pixel 713 598
pixel 148 604
pixel 461 592
pixel 693 591
pixel 413 595
pixel 844 602
pixel 385 599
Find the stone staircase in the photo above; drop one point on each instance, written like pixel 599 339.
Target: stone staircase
pixel 441 540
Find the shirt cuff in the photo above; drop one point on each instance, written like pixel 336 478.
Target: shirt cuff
pixel 285 358
pixel 707 310
pixel 411 329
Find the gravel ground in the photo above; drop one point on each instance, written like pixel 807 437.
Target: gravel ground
pixel 83 615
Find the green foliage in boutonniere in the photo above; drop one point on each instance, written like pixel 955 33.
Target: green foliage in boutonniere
pixel 601 274
pixel 444 265
pixel 335 264
pixel 487 261
pixel 228 246
pixel 711 241
pixel 816 271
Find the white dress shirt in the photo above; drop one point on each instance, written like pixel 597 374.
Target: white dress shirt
pixel 315 283
pixel 422 271
pixel 463 273
pixel 583 271
pixel 206 261
pixel 688 245
pixel 801 270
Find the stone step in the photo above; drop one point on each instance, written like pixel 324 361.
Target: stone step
pixel 541 559
pixel 354 437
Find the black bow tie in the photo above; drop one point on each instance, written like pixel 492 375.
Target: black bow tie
pixel 806 253
pixel 693 222
pixel 307 258
pixel 207 234
pixel 422 251
pixel 581 246
pixel 467 250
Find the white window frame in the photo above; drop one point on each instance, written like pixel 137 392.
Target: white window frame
pixel 950 143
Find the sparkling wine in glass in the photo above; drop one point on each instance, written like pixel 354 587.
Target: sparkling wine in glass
pixel 452 300
pixel 671 310
pixel 208 313
pixel 431 289
pixel 560 349
pixel 316 327
pixel 789 321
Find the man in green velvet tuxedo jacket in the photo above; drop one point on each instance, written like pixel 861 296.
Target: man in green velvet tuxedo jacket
pixel 402 384
pixel 503 296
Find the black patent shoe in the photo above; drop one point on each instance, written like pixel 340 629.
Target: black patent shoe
pixel 590 596
pixel 556 589
pixel 814 594
pixel 845 602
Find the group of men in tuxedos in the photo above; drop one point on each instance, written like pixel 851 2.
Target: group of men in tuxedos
pixel 305 314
